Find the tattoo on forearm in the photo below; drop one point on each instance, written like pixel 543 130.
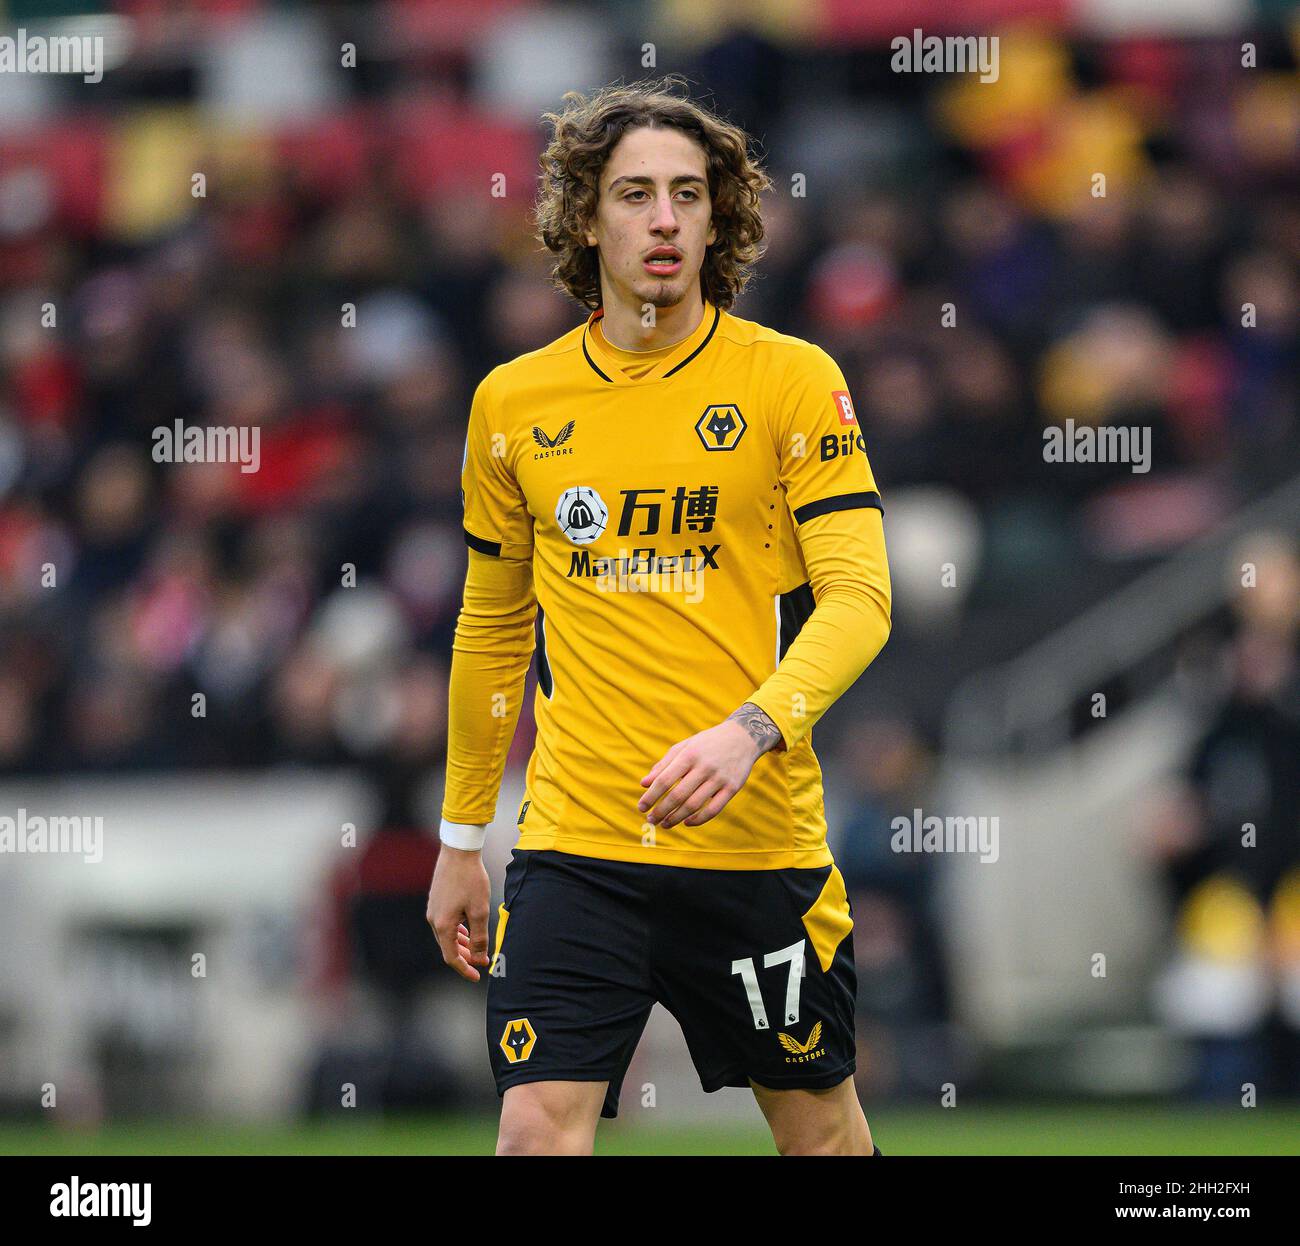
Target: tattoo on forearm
pixel 766 733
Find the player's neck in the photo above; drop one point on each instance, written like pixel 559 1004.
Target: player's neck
pixel 623 325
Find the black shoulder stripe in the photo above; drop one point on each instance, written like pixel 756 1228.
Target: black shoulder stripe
pixel 841 502
pixel 483 547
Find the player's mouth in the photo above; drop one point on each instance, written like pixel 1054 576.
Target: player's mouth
pixel 663 262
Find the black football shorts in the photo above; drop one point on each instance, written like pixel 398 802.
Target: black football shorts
pixel 755 965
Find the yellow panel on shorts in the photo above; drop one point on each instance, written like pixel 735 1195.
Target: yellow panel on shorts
pixel 828 921
pixel 503 916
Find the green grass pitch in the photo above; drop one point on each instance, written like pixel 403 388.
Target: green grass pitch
pixel 975 1130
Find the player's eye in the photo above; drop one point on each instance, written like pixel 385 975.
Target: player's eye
pixel 632 194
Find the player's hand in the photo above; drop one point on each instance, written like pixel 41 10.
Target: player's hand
pixel 458 909
pixel 693 780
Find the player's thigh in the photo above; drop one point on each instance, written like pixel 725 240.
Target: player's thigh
pixel 569 988
pixel 550 1118
pixel 807 1121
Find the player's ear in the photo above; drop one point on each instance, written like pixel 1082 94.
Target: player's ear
pixel 713 235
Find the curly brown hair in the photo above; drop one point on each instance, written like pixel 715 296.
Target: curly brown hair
pixel 585 133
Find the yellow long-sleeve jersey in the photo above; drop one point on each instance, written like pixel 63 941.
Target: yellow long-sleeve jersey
pixel 673 537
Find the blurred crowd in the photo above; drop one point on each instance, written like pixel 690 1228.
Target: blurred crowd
pixel 1224 839
pixel 946 244
pixel 1108 235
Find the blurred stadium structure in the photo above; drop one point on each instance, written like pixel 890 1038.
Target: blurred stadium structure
pixel 950 251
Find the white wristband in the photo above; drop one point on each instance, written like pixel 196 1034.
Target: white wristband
pixel 459 835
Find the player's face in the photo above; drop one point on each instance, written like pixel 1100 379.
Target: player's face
pixel 653 196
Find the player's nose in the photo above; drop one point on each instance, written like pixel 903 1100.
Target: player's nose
pixel 665 219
